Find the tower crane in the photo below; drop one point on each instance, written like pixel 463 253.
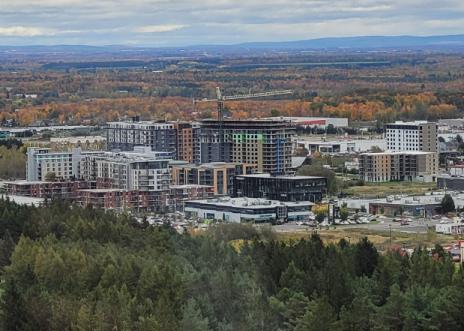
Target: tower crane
pixel 221 98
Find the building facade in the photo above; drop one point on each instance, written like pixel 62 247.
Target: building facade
pixel 398 166
pixel 243 210
pixel 41 162
pixel 120 200
pixel 187 141
pixel 219 175
pixel 412 136
pixel 264 143
pixel 281 188
pixel 124 136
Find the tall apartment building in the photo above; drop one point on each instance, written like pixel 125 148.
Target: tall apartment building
pixel 264 143
pixel 186 141
pixel 124 136
pixel 219 175
pixel 411 136
pixel 398 166
pixel 64 165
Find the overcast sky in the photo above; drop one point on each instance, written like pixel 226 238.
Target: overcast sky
pixel 192 22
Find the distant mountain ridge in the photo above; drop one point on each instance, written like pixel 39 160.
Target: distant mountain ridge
pixel 364 42
pixel 441 42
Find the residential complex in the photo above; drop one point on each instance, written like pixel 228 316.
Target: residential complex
pixel 219 175
pixel 281 188
pixel 124 136
pixel 398 166
pixel 42 162
pixel 264 143
pixel 411 136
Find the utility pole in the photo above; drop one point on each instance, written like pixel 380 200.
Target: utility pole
pixel 390 226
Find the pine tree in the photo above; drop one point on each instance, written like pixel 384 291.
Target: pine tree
pixel 389 316
pixel 319 316
pixel 12 309
pixel 192 319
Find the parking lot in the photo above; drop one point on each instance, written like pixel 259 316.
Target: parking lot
pixel 415 225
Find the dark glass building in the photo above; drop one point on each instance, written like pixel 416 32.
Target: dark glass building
pixel 282 188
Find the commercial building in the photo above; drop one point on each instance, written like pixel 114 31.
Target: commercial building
pixel 447 182
pixel 281 188
pixel 453 228
pixel 219 175
pixel 342 146
pixel 412 136
pixel 264 143
pixel 242 210
pixel 398 166
pixel 124 136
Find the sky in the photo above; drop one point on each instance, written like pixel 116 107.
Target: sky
pixel 193 22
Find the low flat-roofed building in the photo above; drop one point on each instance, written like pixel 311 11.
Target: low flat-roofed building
pixel 243 210
pixel 281 188
pixel 26 201
pixel 339 146
pixel 447 182
pixel 453 228
pixel 319 122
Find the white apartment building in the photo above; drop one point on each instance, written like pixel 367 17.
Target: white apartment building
pixel 411 136
pixel 140 169
pixel 65 165
pixel 133 172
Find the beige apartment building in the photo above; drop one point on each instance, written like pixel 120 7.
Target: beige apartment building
pixel 398 166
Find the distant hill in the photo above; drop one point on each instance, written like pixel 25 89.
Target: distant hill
pixel 438 43
pixel 367 42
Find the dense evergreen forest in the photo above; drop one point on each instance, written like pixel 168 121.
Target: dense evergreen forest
pixel 66 268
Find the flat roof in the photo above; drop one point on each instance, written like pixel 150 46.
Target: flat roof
pixel 400 153
pixel 265 175
pixel 22 200
pixel 191 186
pixel 102 190
pixel 250 203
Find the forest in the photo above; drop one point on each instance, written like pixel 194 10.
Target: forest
pixel 403 85
pixel 67 268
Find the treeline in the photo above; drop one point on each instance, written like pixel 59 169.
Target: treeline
pixel 67 268
pixel 424 105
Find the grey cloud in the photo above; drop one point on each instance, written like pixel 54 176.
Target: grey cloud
pixel 186 22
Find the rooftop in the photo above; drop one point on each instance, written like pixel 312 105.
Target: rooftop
pixel 282 177
pixel 399 153
pixel 250 203
pixel 20 200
